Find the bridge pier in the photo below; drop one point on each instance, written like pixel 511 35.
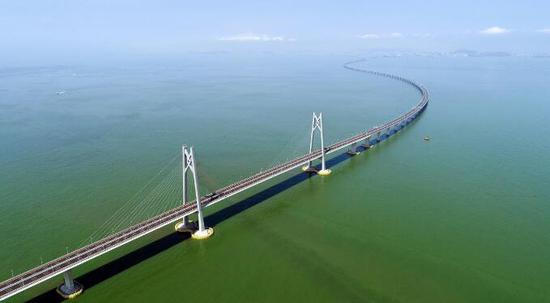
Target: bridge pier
pixel 353 150
pixel 200 231
pixel 70 288
pixel 317 124
pixel 366 145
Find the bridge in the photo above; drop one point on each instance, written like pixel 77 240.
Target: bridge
pixel 63 265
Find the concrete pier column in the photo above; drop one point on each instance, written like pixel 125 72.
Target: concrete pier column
pixel 366 145
pixel 70 288
pixel 69 282
pixel 353 150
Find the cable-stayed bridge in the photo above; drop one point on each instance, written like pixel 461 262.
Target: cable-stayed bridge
pixel 180 214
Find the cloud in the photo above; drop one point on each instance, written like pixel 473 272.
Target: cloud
pixel 369 36
pixel 249 37
pixel 544 31
pixel 494 30
pixel 379 36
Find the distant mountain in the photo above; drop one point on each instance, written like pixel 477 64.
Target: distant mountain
pixel 465 52
pixel 473 53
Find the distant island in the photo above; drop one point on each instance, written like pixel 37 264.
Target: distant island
pixel 473 53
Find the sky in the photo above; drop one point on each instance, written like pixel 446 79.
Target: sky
pixel 47 28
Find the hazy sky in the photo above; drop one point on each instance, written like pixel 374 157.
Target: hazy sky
pixel 32 28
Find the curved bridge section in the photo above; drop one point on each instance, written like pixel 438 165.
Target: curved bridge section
pixel 64 263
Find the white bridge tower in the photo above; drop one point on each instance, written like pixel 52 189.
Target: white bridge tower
pixel 188 165
pixel 317 125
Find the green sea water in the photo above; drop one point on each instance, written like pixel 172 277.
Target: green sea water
pixel 463 217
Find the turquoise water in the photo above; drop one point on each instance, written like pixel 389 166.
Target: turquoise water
pixel 461 218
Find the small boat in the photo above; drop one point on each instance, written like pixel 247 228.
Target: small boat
pixel 427 138
pixel 61 92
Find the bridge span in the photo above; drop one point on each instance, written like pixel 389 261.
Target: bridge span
pixel 65 263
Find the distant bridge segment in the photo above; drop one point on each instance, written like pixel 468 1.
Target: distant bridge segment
pixel 65 263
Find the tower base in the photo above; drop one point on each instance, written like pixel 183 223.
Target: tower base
pixel 324 172
pixel 66 293
pixel 182 228
pixel 199 235
pixel 308 169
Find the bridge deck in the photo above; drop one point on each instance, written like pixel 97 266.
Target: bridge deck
pixel 57 266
